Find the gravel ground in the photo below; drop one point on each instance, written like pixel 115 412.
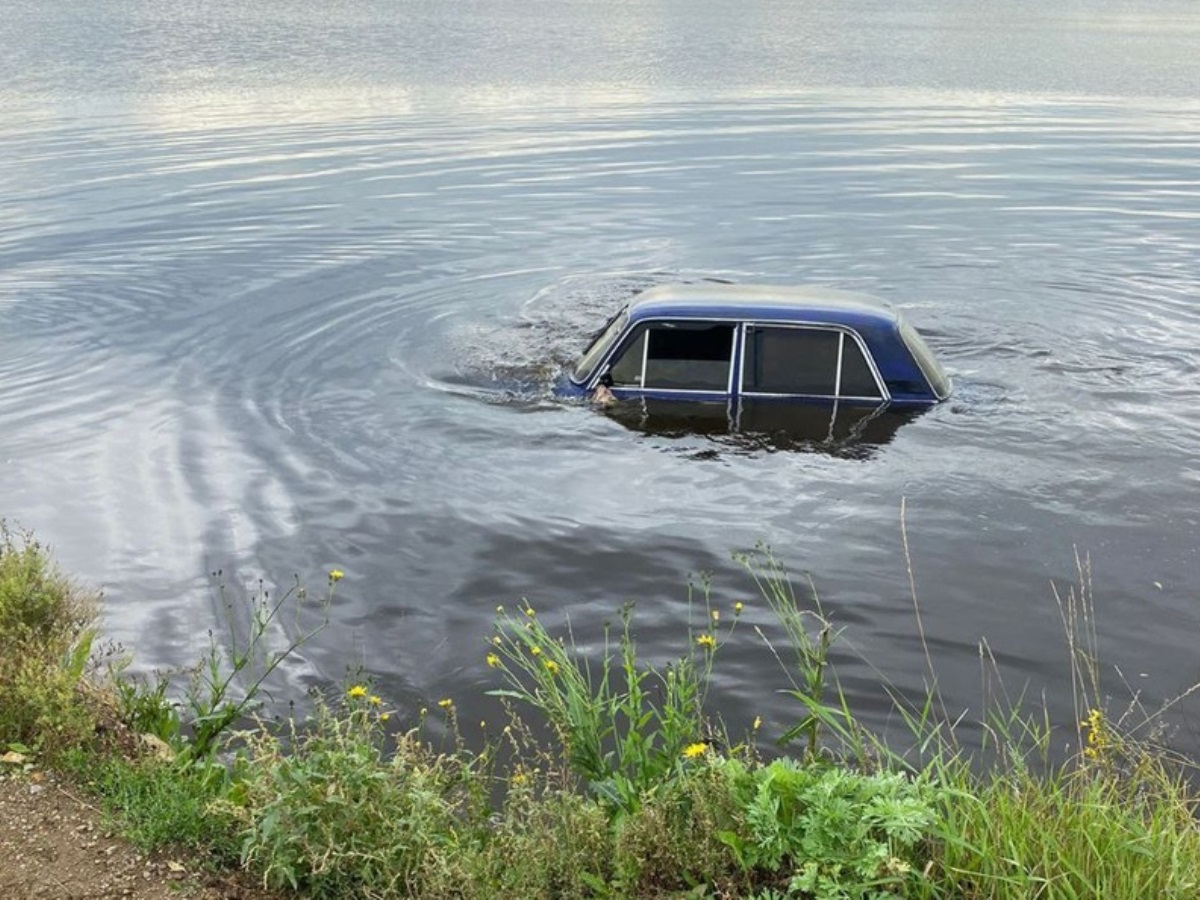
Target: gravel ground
pixel 53 844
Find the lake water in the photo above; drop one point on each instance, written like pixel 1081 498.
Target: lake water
pixel 283 287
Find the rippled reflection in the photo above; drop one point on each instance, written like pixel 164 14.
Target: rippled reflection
pixel 749 426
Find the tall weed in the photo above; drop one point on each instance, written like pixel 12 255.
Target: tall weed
pixel 333 811
pixel 46 633
pixel 624 726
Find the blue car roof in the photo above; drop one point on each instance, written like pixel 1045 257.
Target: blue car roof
pixel 760 301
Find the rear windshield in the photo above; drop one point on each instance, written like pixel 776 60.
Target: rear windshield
pixel 939 382
pixel 600 345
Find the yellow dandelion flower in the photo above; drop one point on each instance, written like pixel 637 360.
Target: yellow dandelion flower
pixel 492 660
pixel 357 691
pixel 707 641
pixel 383 717
pixel 336 574
pixel 738 607
pixel 446 703
pixel 529 612
pixel 691 751
pixel 551 667
pixel 535 651
pixel 374 700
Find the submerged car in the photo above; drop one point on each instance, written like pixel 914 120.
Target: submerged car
pixel 724 342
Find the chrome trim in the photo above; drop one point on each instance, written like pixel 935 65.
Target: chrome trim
pixel 837 378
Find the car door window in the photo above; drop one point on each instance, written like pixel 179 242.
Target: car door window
pixel 857 378
pixel 816 362
pixel 627 370
pixel 689 356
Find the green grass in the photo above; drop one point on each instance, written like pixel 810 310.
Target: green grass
pixel 1079 833
pixel 162 803
pixel 635 792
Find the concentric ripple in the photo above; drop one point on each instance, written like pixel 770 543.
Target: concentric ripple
pixel 262 326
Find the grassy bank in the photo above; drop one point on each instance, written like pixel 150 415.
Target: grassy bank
pixel 631 791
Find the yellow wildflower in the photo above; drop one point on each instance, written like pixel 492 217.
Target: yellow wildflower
pixel 383 717
pixel 738 607
pixel 551 667
pixel 1096 732
pixel 535 651
pixel 707 641
pixel 492 660
pixel 499 609
pixel 716 615
pixel 357 691
pixel 446 703
pixel 336 574
pixel 374 700
pixel 529 612
pixel 757 723
pixel 691 751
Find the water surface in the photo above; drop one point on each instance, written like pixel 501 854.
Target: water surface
pixel 283 288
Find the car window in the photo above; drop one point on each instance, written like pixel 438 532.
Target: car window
pixel 817 362
pixel 600 344
pixel 791 361
pixel 627 371
pixel 857 378
pixel 693 356
pixel 939 382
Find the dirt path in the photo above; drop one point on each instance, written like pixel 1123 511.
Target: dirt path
pixel 53 844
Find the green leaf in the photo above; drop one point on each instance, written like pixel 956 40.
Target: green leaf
pixel 80 655
pixel 594 882
pixel 734 842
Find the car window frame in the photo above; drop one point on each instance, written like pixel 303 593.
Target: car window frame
pixel 642 328
pixel 634 331
pixel 837 396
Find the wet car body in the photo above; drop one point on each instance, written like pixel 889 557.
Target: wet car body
pixel 728 343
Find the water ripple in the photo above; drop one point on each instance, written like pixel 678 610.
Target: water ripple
pixel 331 338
